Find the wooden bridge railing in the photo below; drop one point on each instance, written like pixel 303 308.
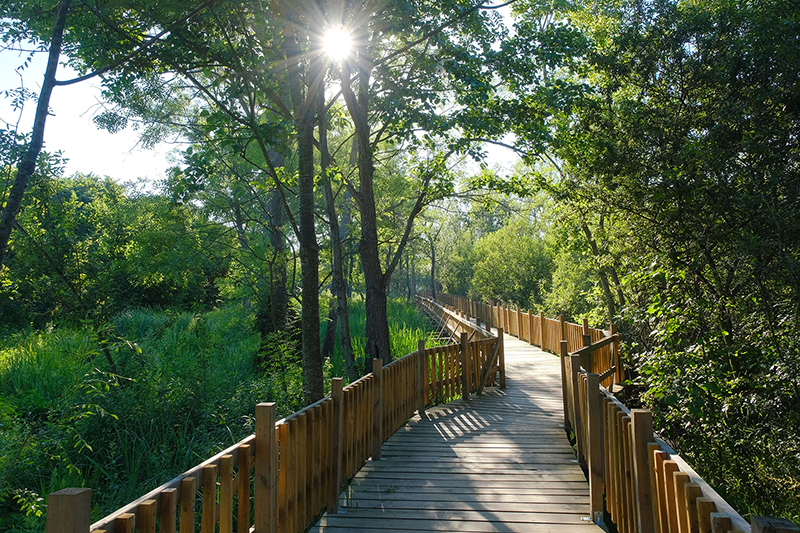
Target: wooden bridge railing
pixel 289 471
pixel 640 481
pixel 636 477
pixel 547 333
pixel 482 358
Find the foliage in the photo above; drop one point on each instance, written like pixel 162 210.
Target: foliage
pixel 673 128
pixel 86 250
pixel 512 265
pixel 185 388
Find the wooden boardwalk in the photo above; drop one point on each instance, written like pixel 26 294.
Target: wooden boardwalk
pixel 500 462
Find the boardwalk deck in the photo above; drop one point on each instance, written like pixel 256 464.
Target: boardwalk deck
pixel 500 462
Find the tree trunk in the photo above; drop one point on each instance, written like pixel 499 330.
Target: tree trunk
pixel 338 284
pixel 377 327
pixel 329 339
pixel 303 111
pixel 27 166
pixel 279 296
pixel 601 271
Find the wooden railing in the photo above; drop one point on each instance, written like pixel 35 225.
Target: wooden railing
pixel 288 472
pixel 481 359
pixel 547 333
pixel 645 484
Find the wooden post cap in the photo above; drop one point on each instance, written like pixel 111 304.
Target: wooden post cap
pixel 69 511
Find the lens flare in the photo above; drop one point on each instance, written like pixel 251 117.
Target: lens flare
pixel 337 44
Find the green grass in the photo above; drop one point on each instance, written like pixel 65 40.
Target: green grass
pixel 407 325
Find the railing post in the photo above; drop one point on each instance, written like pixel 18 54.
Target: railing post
pixel 642 429
pixel 595 440
pixel 422 383
pixel 377 409
pixel 337 387
pixel 564 389
pixel 577 427
pixel 586 359
pixel 541 330
pixel 465 385
pixel 266 484
pixel 563 326
pixel 519 323
pixel 169 500
pixel 501 355
pixel 189 497
pixel 69 511
pixel 530 327
pixel 619 374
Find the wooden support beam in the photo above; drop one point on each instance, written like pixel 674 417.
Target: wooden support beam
pixel 642 428
pixel 377 409
pixel 564 388
pixel 422 378
pixel 266 484
pixel 337 387
pixel 188 498
pixel 167 510
pixel 595 442
pixel 465 370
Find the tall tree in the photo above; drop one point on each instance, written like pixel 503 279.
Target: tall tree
pixel 409 62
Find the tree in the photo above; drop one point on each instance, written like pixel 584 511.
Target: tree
pixel 396 74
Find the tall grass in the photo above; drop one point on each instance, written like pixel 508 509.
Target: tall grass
pixel 182 387
pixel 407 325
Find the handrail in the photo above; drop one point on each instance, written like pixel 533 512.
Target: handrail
pixel 296 465
pixel 635 476
pixel 546 333
pixel 484 367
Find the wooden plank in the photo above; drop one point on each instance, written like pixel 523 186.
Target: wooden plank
pixel 304 470
pixel 680 480
pixel 188 498
pixel 265 502
pixel 691 493
pixel 337 427
pixel 147 516
pixel 283 476
pixel 243 488
pixel 434 471
pixel 167 511
pixel 125 523
pixel 670 468
pixel 226 494
pixel 642 433
pixel 208 520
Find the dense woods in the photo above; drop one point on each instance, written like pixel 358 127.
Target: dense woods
pixel 656 187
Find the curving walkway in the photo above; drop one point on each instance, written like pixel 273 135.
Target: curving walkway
pixel 500 462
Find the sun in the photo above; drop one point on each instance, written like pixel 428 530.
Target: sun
pixel 337 44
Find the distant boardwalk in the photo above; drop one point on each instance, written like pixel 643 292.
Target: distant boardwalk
pixel 500 462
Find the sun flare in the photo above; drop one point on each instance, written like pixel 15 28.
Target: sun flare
pixel 337 44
